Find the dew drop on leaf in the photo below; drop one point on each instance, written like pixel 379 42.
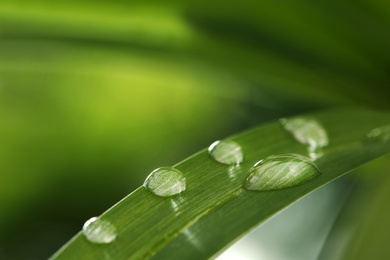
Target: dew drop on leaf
pixel 307 131
pixel 281 171
pixel 226 152
pixel 99 231
pixel 380 134
pixel 165 182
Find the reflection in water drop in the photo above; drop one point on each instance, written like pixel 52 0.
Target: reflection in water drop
pixel 99 231
pixel 226 152
pixel 233 171
pixel 176 203
pixel 280 171
pixel 192 238
pixel 309 132
pixel 165 182
pixel 380 134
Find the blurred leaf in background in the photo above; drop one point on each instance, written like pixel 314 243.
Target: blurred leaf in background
pixel 95 94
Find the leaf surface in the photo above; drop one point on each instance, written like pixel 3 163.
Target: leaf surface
pixel 215 210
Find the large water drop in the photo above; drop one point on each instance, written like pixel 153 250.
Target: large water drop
pixel 165 182
pixel 99 231
pixel 281 171
pixel 309 132
pixel 226 152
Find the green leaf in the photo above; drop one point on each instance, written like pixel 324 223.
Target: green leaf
pixel 215 209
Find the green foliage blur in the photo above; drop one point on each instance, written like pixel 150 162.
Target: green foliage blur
pixel 96 94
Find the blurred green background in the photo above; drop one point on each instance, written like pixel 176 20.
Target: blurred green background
pixel 96 94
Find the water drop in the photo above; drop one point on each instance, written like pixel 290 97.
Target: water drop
pixel 309 132
pixel 99 231
pixel 380 134
pixel 165 182
pixel 280 171
pixel 226 152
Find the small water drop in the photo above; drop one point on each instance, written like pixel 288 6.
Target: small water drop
pixel 99 231
pixel 380 134
pixel 280 171
pixel 165 182
pixel 226 152
pixel 307 131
